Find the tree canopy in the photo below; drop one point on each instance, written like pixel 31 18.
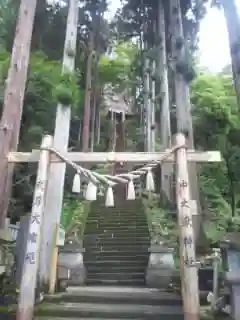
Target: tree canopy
pixel 215 112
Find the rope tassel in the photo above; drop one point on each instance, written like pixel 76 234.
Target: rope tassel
pixel 150 184
pixel 131 191
pixel 109 197
pixel 76 187
pixel 91 192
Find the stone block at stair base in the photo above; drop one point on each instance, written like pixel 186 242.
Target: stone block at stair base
pixel 160 267
pixel 70 264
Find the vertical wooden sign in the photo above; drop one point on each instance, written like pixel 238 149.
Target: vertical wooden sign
pixel 30 264
pixel 189 269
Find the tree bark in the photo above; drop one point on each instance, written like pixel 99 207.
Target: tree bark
pixel 13 99
pixel 166 168
pixel 88 89
pixel 183 105
pixel 61 138
pixel 233 27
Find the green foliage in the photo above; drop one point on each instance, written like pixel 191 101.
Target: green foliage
pixel 67 92
pixel 217 126
pixel 74 215
pixel 117 69
pixel 4 63
pixel 8 14
pixel 215 112
pixel 162 227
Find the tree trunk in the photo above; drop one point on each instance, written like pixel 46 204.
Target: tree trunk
pixel 153 98
pixel 93 122
pixel 183 104
pixel 233 26
pixel 61 136
pixel 13 99
pixel 147 105
pixel 95 99
pixel 88 89
pixel 166 169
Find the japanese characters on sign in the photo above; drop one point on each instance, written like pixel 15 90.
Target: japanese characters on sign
pixel 183 184
pixel 186 222
pixel 188 244
pixel 30 257
pixel 34 226
pixel 189 261
pixel 188 241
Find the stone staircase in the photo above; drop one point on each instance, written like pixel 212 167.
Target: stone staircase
pixel 116 243
pixel 98 303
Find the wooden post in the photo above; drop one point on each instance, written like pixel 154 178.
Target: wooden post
pixel 216 260
pixel 188 265
pixel 30 265
pixel 22 238
pixel 53 273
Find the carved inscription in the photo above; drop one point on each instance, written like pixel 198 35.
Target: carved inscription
pixel 34 227
pixel 186 223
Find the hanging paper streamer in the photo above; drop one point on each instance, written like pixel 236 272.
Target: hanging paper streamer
pixel 131 191
pixel 150 185
pixel 100 191
pixel 76 187
pixel 91 192
pixel 109 197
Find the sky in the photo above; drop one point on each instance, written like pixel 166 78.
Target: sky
pixel 213 45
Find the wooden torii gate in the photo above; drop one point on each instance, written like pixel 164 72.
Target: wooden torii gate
pixel 47 155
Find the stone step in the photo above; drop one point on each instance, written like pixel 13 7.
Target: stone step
pixel 116 275
pixel 114 236
pixel 121 204
pixel 131 212
pixel 116 219
pixel 108 220
pixel 67 318
pixel 124 225
pixel 117 211
pixel 95 229
pixel 119 258
pixel 118 235
pixel 115 268
pixel 115 254
pixel 116 245
pixel 116 239
pixel 103 233
pixel 108 282
pixel 121 241
pixel 116 295
pixel 124 247
pixel 117 207
pixel 108 311
pixel 115 263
